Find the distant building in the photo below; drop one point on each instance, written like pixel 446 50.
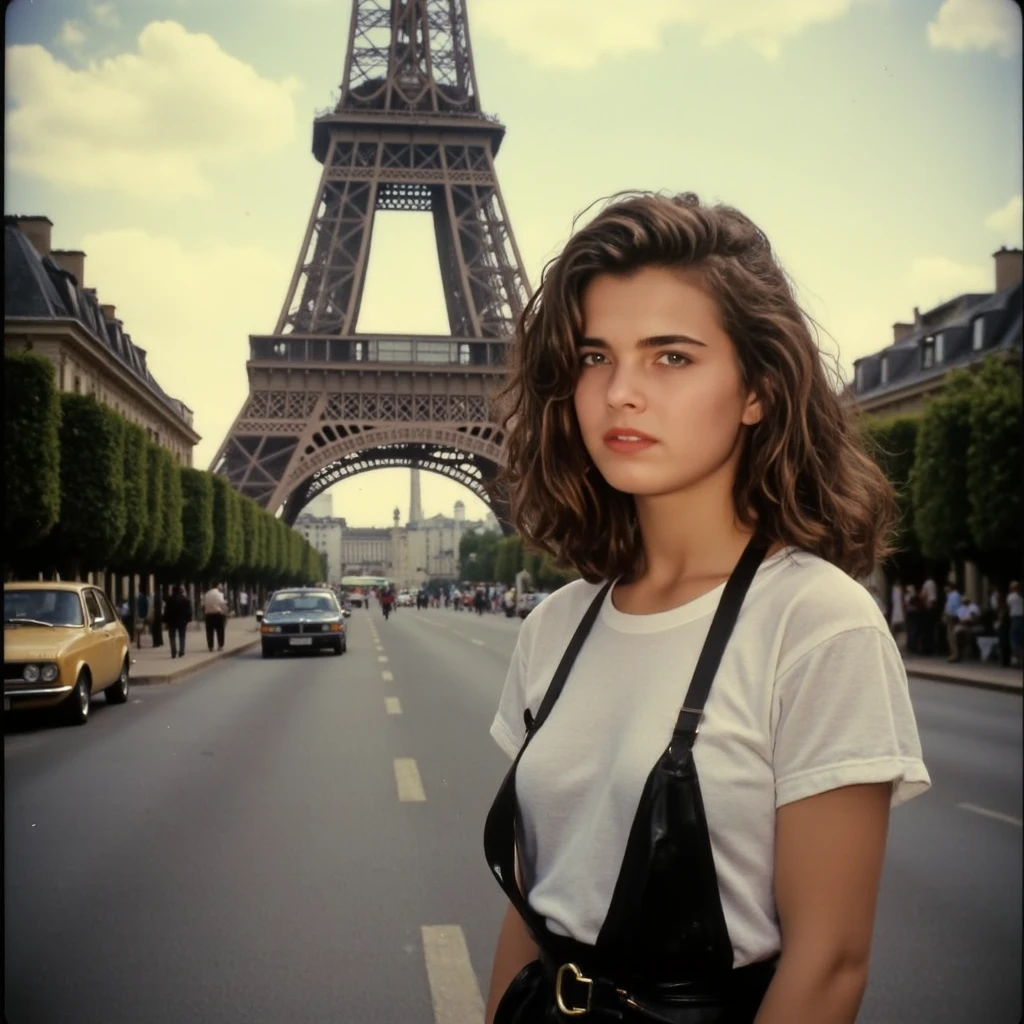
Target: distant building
pixel 961 332
pixel 48 310
pixel 326 534
pixel 322 506
pixel 367 551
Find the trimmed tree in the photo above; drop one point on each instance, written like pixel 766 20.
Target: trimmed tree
pixel 196 523
pixel 227 539
pixel 136 499
pixel 173 541
pixel 92 514
pixel 151 545
pixel 994 462
pixel 892 443
pixel 32 415
pixel 939 478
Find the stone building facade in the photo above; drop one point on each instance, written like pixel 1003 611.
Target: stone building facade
pixel 49 310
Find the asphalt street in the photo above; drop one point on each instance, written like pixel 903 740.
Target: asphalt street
pixel 299 840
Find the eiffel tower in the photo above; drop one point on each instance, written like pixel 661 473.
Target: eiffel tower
pixel 326 402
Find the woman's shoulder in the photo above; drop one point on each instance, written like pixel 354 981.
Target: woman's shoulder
pixel 810 600
pixel 560 611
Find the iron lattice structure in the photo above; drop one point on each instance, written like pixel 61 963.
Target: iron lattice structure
pixel 326 402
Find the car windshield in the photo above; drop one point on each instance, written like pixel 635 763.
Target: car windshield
pixel 52 607
pixel 302 603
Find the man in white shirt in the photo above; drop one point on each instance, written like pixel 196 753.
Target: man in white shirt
pixel 215 611
pixel 968 624
pixel 243 602
pixel 1015 611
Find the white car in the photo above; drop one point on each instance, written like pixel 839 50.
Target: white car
pixel 527 602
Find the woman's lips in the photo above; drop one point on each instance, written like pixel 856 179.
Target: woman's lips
pixel 628 441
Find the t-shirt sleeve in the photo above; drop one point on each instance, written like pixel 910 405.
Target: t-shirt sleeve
pixel 509 727
pixel 843 717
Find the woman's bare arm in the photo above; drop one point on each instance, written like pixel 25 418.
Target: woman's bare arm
pixel 515 950
pixel 828 863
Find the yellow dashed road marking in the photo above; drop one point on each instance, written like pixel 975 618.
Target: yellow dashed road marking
pixel 382 657
pixel 387 676
pixel 407 775
pixel 453 988
pixel 393 705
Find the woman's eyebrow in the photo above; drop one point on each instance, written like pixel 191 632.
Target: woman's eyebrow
pixel 657 341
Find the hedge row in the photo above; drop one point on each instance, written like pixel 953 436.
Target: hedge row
pixel 89 491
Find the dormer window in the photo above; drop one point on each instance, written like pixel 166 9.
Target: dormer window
pixel 978 335
pixel 940 348
pixel 858 377
pixel 885 369
pixel 928 353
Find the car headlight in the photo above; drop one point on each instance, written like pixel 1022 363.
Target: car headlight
pixel 335 627
pixel 270 629
pixel 30 673
pixel 49 673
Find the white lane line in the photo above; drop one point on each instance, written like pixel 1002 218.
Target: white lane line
pixel 479 643
pixel 382 657
pixel 453 988
pixel 986 813
pixel 407 775
pixel 387 676
pixel 458 632
pixel 392 705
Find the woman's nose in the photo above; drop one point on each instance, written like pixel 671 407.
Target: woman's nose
pixel 625 388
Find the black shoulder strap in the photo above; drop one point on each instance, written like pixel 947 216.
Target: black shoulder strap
pixel 568 660
pixel 718 636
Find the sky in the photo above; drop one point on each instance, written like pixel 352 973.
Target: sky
pixel 876 142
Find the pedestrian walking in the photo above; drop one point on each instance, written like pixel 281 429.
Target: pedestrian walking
pixel 951 619
pixel 672 434
pixel 243 602
pixel 931 620
pixel 141 615
pixel 177 616
pixel 215 612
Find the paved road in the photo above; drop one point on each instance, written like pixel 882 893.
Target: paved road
pixel 271 841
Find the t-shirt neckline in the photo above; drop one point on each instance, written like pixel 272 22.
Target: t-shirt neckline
pixel 655 622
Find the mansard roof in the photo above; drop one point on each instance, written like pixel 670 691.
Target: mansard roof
pixel 35 287
pixel 906 365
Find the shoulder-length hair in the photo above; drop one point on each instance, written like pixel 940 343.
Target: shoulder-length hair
pixel 804 477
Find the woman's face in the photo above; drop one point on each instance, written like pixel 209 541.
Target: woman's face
pixel 659 400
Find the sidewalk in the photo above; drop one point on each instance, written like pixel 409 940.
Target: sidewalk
pixel 155 664
pixel 985 675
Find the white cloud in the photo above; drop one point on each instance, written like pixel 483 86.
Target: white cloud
pixel 146 123
pixel 192 310
pixel 71 35
pixel 577 34
pixel 105 14
pixel 935 279
pixel 963 25
pixel 1008 219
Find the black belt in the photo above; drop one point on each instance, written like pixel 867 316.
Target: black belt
pixel 580 991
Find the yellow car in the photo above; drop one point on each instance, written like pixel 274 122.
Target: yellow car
pixel 63 642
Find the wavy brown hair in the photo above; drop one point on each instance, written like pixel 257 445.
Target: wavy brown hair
pixel 804 477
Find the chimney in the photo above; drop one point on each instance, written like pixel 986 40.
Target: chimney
pixel 71 260
pixel 38 231
pixel 1009 268
pixel 108 310
pixel 901 331
pixel 917 316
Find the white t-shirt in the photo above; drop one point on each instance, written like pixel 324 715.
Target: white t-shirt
pixel 811 695
pixel 1014 605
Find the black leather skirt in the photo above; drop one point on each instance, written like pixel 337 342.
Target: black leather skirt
pixel 545 993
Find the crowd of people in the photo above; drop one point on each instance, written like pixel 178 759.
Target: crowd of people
pixel 954 625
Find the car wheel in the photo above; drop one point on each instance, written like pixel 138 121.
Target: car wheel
pixel 117 693
pixel 339 648
pixel 77 703
pixel 267 652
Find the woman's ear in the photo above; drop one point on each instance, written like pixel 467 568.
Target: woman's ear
pixel 752 411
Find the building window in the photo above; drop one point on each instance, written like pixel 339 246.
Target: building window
pixel 940 348
pixel 978 336
pixel 858 377
pixel 885 369
pixel 78 384
pixel 928 353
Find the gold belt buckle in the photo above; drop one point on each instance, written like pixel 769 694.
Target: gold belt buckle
pixel 572 1011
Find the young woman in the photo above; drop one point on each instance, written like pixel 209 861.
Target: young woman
pixel 709 729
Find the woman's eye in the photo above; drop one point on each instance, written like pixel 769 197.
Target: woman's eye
pixel 674 359
pixel 590 358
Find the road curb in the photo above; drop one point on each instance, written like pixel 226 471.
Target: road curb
pixel 178 674
pixel 976 684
